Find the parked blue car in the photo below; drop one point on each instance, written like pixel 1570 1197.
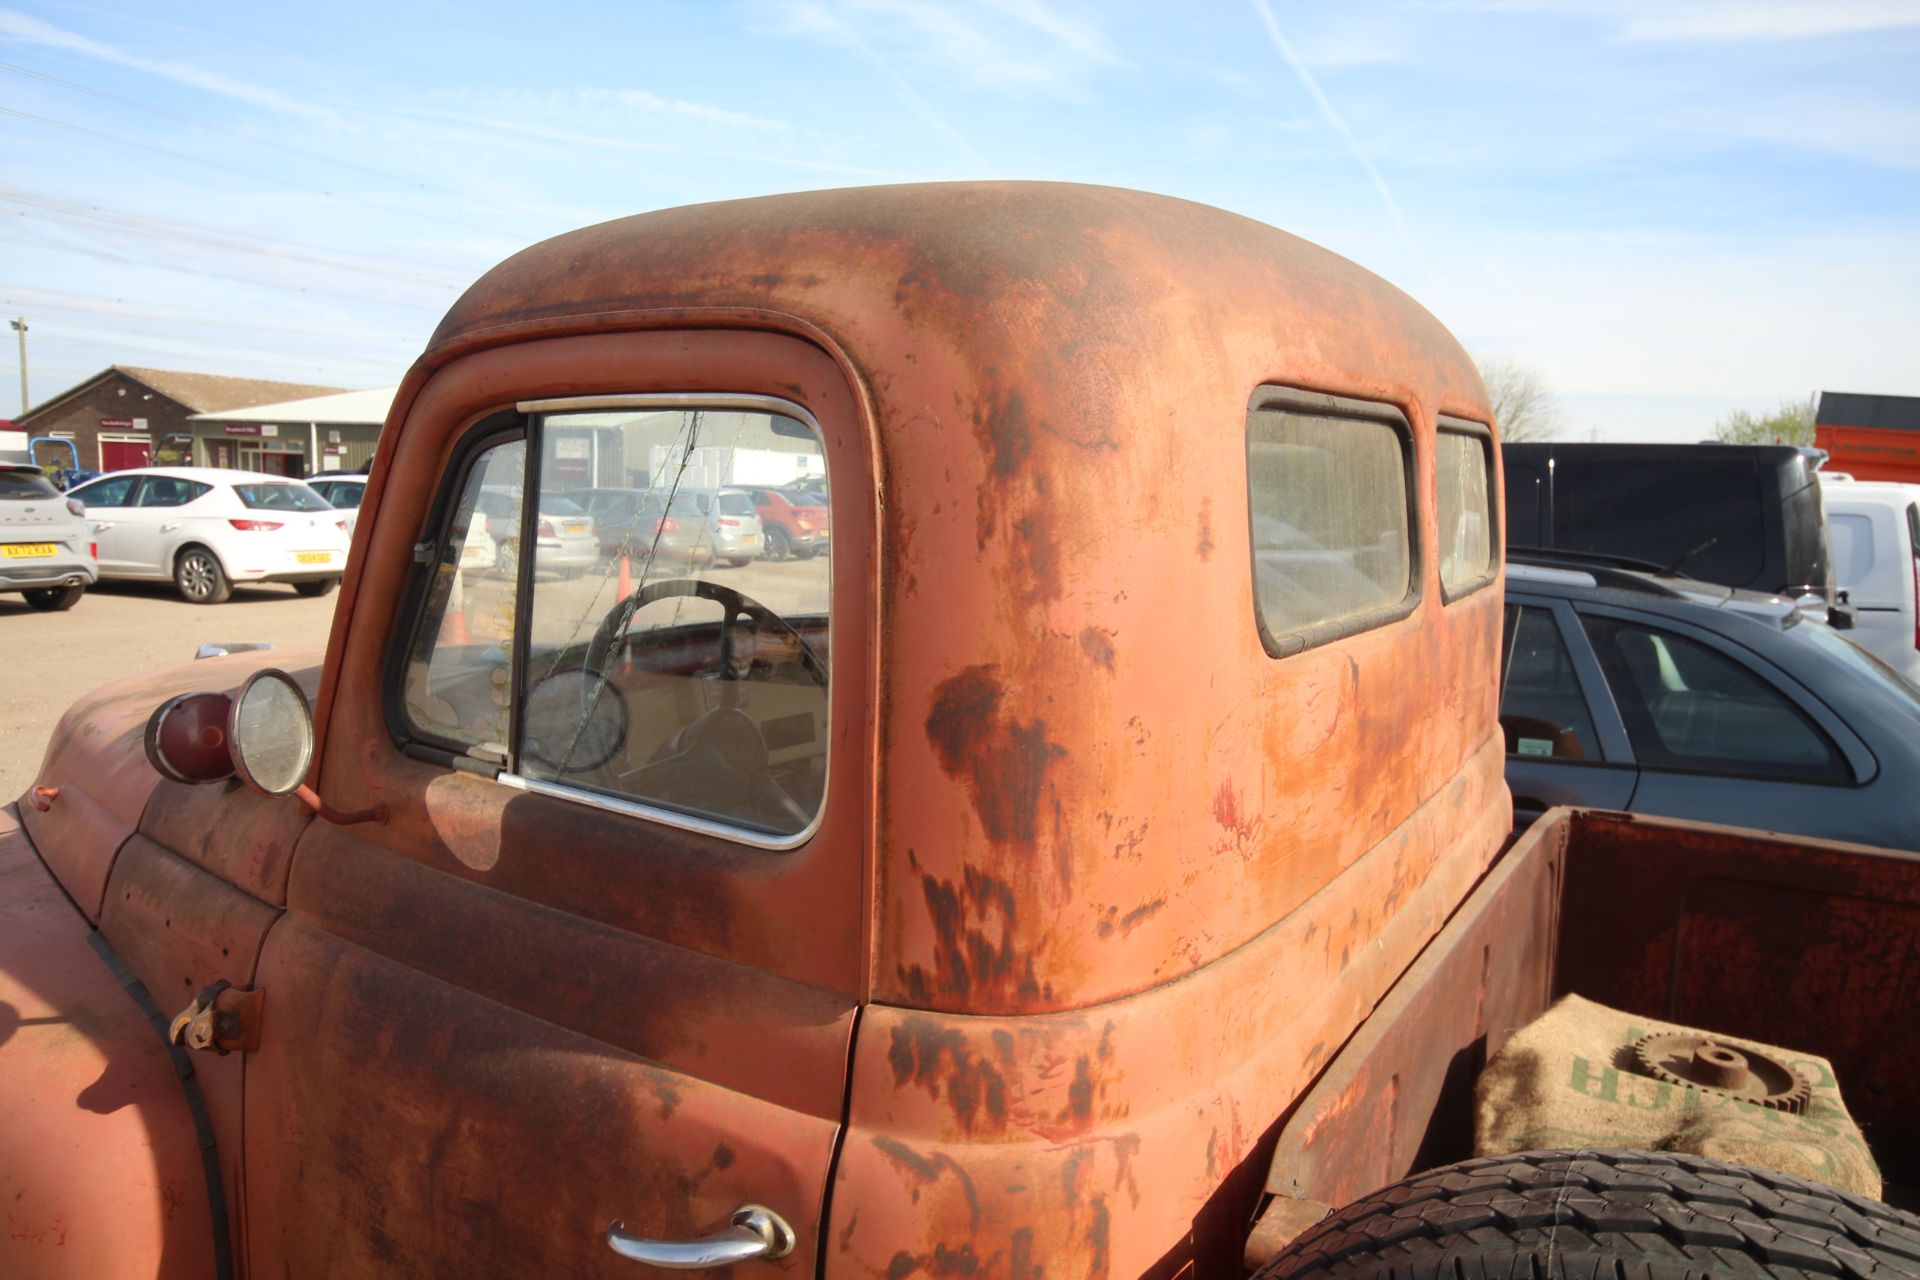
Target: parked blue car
pixel 1662 695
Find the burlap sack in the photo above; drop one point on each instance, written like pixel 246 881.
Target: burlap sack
pixel 1568 1080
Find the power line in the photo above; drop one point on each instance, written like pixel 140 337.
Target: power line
pixel 123 260
pixel 211 237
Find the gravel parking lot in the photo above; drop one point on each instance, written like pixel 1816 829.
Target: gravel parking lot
pixel 117 630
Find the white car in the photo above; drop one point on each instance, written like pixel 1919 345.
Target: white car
pixel 1874 529
pixel 207 528
pixel 346 490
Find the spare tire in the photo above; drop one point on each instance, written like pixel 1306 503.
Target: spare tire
pixel 1605 1215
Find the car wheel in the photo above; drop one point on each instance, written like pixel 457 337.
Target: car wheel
pixel 201 580
pixel 779 545
pixel 316 588
pixel 739 562
pixel 1575 1215
pixel 54 599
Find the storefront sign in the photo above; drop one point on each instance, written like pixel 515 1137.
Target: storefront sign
pixel 250 429
pixel 116 424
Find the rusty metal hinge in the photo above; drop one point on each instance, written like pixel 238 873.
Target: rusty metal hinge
pixel 222 1019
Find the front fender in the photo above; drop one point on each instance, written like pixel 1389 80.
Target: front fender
pixel 101 1172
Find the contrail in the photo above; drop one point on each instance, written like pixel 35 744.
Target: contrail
pixel 1326 109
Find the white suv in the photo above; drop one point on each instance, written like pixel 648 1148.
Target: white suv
pixel 207 529
pixel 46 546
pixel 1874 529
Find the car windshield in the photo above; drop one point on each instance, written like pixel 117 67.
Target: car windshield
pixel 1898 689
pixel 280 497
pixel 23 486
pixel 736 503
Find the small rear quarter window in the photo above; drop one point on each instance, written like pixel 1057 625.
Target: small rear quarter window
pixel 1331 510
pixel 1463 469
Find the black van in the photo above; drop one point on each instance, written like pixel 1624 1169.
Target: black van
pixel 1740 515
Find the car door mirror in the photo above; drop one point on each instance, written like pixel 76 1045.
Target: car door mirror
pixel 271 731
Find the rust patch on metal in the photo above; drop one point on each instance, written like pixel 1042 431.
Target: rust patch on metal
pixel 1098 646
pixel 1203 545
pixel 1003 762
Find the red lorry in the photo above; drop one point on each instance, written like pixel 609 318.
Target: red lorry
pixel 1870 437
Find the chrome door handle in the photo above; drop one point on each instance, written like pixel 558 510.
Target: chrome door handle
pixel 168 528
pixel 757 1232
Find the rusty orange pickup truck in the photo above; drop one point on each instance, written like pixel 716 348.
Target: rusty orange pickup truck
pixel 1094 864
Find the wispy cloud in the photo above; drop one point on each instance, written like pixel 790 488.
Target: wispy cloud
pixel 1333 119
pixel 19 28
pixel 816 18
pixel 1726 21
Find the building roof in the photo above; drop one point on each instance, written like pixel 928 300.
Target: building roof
pixel 345 408
pixel 198 392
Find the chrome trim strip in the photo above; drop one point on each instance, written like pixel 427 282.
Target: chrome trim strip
pixel 635 808
pixel 666 817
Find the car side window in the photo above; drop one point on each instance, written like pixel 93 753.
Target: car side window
pixel 458 682
pixel 111 492
pixel 653 675
pixel 1463 471
pixel 1688 706
pixel 170 491
pixel 1331 515
pixel 1543 711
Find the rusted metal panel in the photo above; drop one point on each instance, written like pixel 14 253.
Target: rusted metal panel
pixel 98 761
pixel 178 929
pixel 1398 1096
pixel 427 1130
pixel 100 1172
pixel 1096 1142
pixel 1802 943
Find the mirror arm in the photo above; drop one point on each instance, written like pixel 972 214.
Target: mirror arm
pixel 339 818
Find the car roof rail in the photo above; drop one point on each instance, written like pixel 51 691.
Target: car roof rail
pixel 1621 573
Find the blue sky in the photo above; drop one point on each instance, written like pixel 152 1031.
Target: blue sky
pixel 1670 210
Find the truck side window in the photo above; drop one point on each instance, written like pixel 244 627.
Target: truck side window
pixel 1542 709
pixel 664 667
pixel 1463 471
pixel 459 675
pixel 1689 706
pixel 1328 484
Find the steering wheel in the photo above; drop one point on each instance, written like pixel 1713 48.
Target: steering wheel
pixel 737 605
pixel 718 764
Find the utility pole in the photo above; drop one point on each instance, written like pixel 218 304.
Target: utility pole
pixel 20 327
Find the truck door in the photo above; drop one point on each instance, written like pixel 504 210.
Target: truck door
pixel 602 960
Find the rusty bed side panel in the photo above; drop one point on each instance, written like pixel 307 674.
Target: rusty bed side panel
pixel 1398 1096
pixel 98 760
pixel 1802 943
pixel 100 1172
pixel 435 1132
pixel 1090 1143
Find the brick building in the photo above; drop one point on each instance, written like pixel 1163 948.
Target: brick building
pixel 123 416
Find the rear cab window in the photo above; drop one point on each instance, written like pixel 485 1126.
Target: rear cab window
pixel 620 668
pixel 1330 492
pixel 1464 483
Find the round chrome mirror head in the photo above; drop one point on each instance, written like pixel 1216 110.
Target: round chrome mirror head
pixel 187 738
pixel 271 732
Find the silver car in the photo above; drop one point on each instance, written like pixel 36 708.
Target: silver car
pixel 733 525
pixel 46 541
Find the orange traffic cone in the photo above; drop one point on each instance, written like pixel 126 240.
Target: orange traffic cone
pixel 626 577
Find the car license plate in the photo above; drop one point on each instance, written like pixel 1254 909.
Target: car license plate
pixel 749 537
pixel 315 557
pixel 28 550
pixel 575 526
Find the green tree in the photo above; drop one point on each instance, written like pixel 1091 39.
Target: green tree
pixel 1792 423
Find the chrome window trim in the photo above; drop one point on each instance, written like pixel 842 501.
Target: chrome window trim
pixel 535 411
pixel 666 817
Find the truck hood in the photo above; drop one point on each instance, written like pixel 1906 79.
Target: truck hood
pixel 95 781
